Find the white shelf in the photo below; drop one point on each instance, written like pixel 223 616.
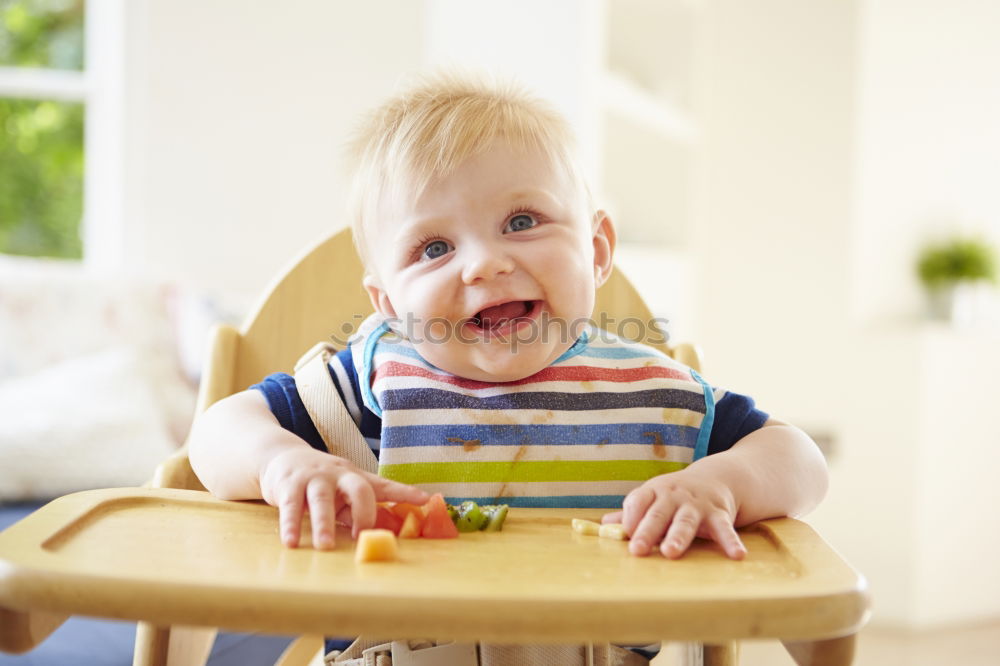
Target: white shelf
pixel 623 97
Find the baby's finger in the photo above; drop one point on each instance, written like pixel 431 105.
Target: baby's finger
pixel 344 515
pixel 652 526
pixel 361 496
pixel 720 527
pixel 290 502
pixel 322 512
pixel 613 517
pixel 387 490
pixel 635 506
pixel 681 532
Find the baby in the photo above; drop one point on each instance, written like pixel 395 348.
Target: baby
pixel 479 375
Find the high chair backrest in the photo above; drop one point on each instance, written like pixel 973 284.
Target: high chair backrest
pixel 320 297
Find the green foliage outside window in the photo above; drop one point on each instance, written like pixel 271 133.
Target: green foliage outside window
pixel 41 33
pixel 41 142
pixel 41 178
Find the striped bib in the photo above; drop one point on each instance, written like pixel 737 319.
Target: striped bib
pixel 603 418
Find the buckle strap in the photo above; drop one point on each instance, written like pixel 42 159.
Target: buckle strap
pixel 447 654
pixel 408 653
pixel 426 653
pixel 376 655
pixel 380 655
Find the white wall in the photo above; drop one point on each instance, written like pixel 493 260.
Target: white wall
pixel 237 114
pixel 957 577
pixel 555 48
pixel 869 513
pixel 928 140
pixel 775 110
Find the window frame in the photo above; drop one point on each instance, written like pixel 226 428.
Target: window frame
pixel 100 87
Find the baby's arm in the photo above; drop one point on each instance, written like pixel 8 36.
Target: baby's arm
pixel 774 471
pixel 240 451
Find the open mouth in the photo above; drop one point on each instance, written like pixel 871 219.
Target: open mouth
pixel 500 318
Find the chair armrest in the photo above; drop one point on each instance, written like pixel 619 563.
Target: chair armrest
pixel 176 472
pixel 216 383
pixel 220 366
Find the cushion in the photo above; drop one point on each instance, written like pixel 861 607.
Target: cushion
pixel 88 422
pixel 91 386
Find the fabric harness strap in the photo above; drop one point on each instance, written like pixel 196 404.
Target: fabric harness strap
pixel 327 410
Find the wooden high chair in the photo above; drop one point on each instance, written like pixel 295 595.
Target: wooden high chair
pixel 177 561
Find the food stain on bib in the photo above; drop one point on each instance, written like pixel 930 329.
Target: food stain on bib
pixel 659 448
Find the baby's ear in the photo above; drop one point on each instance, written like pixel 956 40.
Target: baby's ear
pixel 380 299
pixel 604 247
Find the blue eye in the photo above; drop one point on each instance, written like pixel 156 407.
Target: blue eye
pixel 436 249
pixel 521 222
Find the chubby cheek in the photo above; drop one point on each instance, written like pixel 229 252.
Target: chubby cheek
pixel 571 286
pixel 574 311
pixel 422 303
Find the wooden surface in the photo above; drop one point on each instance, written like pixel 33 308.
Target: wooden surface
pixel 319 297
pixel 20 632
pixel 182 557
pixel 721 655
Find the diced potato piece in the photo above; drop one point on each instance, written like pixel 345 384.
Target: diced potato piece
pixel 376 545
pixel 613 531
pixel 587 527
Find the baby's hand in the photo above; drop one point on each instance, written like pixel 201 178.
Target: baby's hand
pixel 328 487
pixel 672 509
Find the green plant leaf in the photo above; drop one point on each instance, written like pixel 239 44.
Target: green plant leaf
pixel 958 259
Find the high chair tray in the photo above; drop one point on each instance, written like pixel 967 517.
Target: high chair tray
pixel 183 557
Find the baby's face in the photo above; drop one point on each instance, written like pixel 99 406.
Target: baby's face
pixel 493 269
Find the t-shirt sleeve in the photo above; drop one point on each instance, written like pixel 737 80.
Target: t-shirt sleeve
pixel 736 416
pixel 283 399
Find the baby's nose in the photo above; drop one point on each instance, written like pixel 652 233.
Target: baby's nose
pixel 485 264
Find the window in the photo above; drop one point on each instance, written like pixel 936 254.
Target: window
pixel 42 96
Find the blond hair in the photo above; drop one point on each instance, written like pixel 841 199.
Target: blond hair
pixel 427 131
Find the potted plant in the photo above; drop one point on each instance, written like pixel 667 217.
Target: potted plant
pixel 953 271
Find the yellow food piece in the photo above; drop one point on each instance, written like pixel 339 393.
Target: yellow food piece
pixel 410 528
pixel 587 527
pixel 613 531
pixel 376 545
